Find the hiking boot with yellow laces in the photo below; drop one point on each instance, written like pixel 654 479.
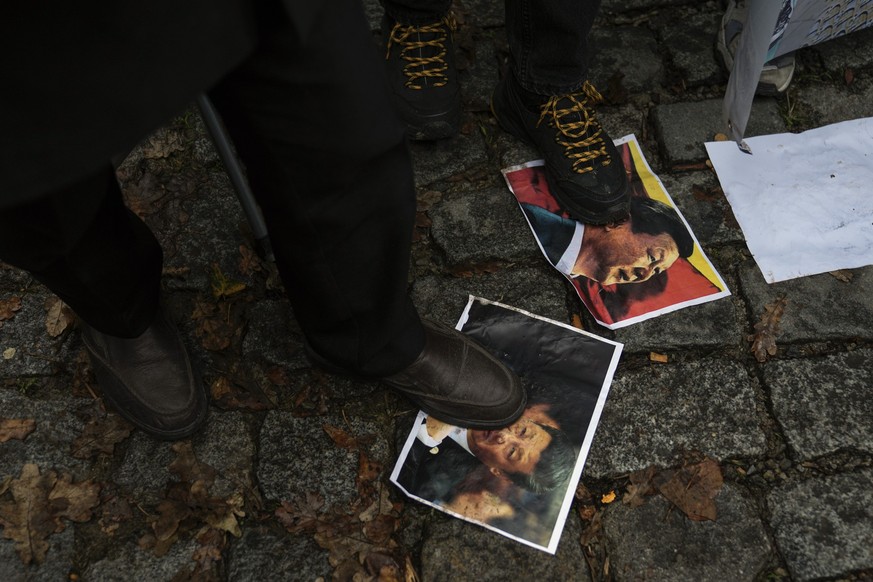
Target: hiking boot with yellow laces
pixel 583 168
pixel 421 71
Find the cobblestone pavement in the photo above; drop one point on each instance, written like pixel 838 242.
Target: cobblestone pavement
pixel 793 436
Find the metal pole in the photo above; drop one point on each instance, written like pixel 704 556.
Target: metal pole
pixel 237 177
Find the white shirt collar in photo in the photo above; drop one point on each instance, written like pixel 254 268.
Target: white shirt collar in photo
pixel 457 434
pixel 568 259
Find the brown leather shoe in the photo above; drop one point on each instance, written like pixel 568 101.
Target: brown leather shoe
pixel 455 380
pixel 149 380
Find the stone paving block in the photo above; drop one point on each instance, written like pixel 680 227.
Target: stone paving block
pixel 479 77
pixel 281 556
pixel 824 404
pixel 145 470
pixel 691 46
pixel 619 6
pixel 832 104
pixel 35 353
pixel 477 225
pixel 819 308
pixel 129 561
pixel 456 550
pixel 654 414
pixel 683 128
pixel 533 289
pixel 14 280
pixel 57 566
pixel 621 121
pixel 510 150
pixel 629 51
pixel 710 325
pixel 656 542
pixel 207 234
pixel 709 215
pixel 297 456
pixel 438 160
pixel 58 424
pixel 226 445
pixel 824 526
pixel 485 13
pixel 853 51
pixel 273 334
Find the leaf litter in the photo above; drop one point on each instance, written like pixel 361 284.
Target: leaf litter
pixel 41 505
pixel 188 507
pixel 359 538
pixel 692 488
pixel 8 308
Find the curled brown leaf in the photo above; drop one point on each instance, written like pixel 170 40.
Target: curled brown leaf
pixel 766 330
pixel 16 428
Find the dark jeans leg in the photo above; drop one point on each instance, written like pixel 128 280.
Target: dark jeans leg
pixel 416 11
pixel 548 43
pixel 85 246
pixel 328 162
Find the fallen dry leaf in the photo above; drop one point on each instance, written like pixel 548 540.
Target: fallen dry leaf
pixel 301 513
pixel 58 316
pixel 215 329
pixel 766 330
pixel 608 498
pixel 210 544
pixel 231 396
pixel 223 287
pixel 843 275
pixel 659 358
pixel 114 510
pixel 721 137
pixel 576 321
pixel 8 307
pixel 693 488
pixel 640 486
pixel 341 437
pixel 16 428
pixel 40 504
pixel 163 144
pixel 249 261
pixel 100 435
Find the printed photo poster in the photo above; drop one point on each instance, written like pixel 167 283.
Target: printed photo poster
pixel 621 278
pixel 519 480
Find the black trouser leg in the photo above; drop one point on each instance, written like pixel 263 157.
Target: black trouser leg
pixel 328 163
pixel 85 246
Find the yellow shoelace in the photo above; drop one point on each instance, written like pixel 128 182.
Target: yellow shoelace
pixel 581 137
pixel 419 68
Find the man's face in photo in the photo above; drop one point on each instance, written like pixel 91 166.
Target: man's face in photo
pixel 628 257
pixel 514 449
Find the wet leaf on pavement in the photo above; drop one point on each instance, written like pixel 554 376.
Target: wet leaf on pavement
pixel 8 307
pixel 100 435
pixel 693 488
pixel 16 428
pixel 766 330
pixel 40 505
pixel 640 486
pixel 223 287
pixel 58 316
